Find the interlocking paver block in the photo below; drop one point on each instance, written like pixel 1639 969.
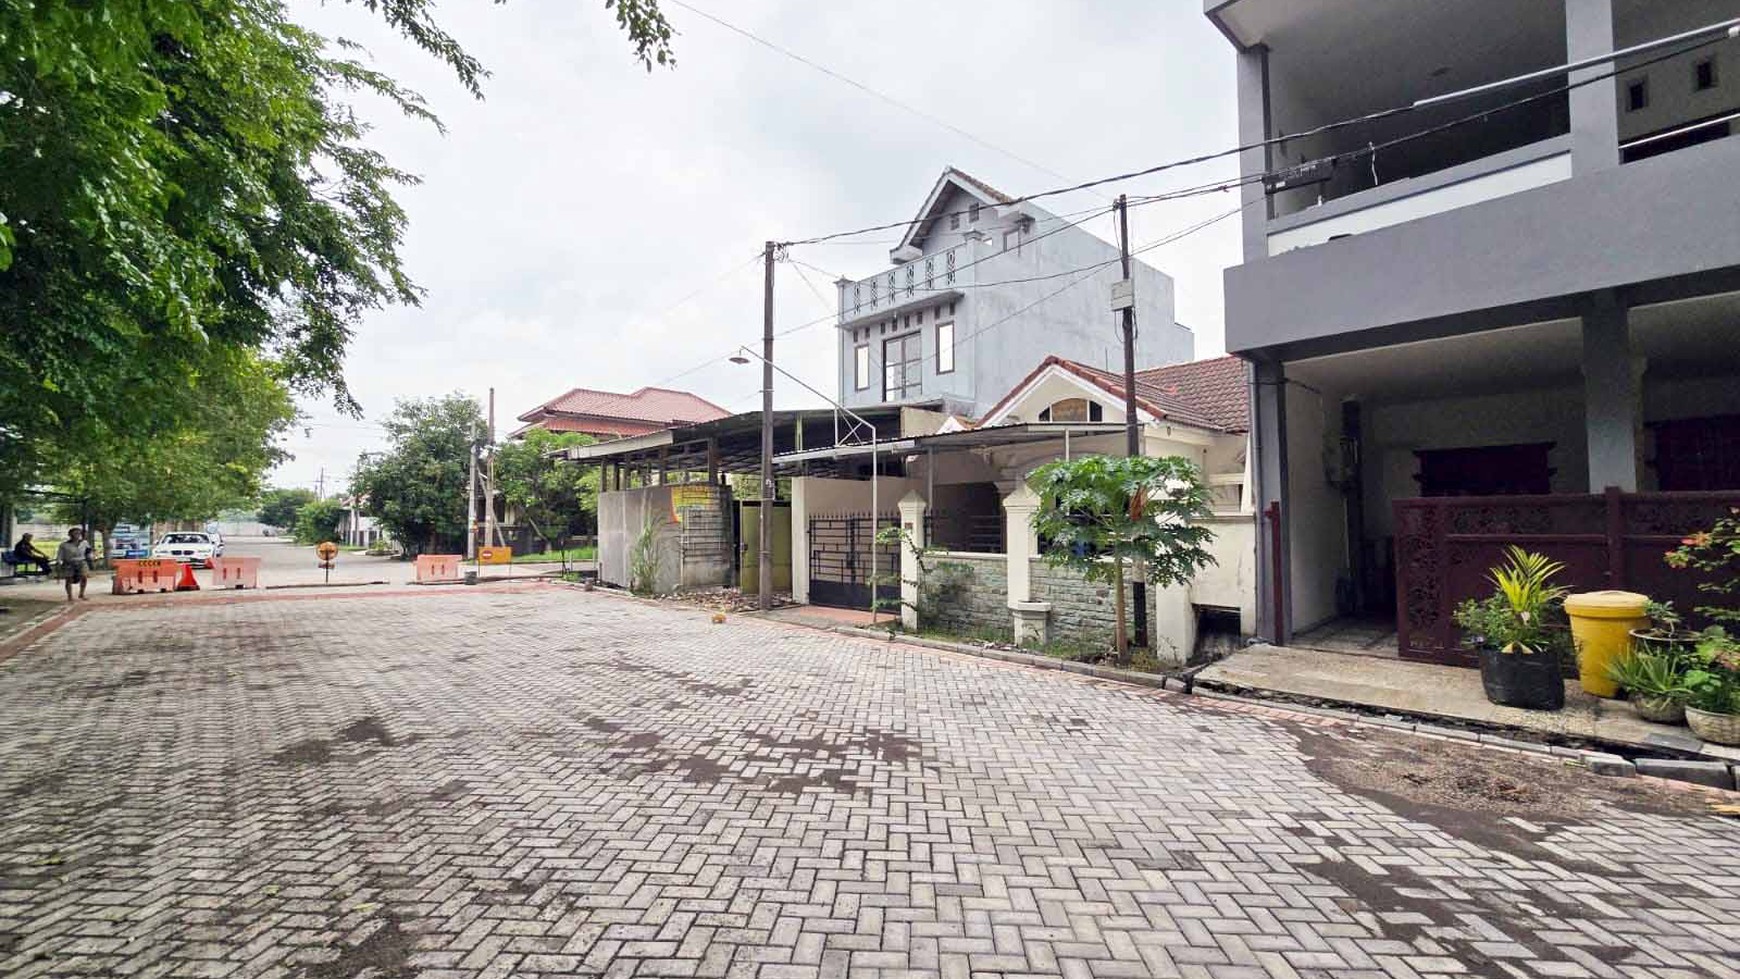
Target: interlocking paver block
pixel 555 783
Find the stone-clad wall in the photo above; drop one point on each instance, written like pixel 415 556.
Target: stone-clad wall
pixel 966 594
pixel 1082 611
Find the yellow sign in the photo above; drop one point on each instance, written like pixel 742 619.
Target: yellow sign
pixel 495 555
pixel 688 496
pixel 327 550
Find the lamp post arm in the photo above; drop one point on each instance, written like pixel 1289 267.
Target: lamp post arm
pixel 800 382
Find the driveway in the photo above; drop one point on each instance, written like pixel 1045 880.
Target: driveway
pixel 477 782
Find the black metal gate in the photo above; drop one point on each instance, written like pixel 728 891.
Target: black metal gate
pixel 840 549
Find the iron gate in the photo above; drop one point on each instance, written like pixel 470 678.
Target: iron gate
pixel 840 549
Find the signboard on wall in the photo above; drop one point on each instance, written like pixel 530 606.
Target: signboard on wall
pixel 690 496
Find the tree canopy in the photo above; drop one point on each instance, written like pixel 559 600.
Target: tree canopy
pixel 1106 515
pixel 184 185
pixel 278 506
pixel 416 488
pixel 557 497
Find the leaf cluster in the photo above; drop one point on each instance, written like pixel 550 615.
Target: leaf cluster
pixel 1098 510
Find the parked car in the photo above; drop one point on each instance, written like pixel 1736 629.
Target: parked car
pixel 188 547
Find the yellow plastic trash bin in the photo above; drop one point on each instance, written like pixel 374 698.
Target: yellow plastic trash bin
pixel 1601 624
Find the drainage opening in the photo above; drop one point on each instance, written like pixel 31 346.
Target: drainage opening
pixel 1217 634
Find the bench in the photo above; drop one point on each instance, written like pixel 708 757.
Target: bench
pixel 21 569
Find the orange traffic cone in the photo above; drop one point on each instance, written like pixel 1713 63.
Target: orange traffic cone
pixel 187 582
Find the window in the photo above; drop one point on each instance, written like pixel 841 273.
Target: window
pixel 955 221
pixel 1704 75
pixel 973 211
pixel 1073 410
pixel 1637 95
pixel 945 348
pixel 902 367
pixel 861 367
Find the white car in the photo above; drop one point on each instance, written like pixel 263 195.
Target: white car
pixel 187 546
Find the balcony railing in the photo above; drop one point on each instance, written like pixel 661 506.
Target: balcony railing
pixel 1510 172
pixel 902 286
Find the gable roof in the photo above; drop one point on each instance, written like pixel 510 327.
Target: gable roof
pixel 662 406
pixel 932 210
pixel 1208 394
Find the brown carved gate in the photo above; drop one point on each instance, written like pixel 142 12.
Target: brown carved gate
pixel 1445 545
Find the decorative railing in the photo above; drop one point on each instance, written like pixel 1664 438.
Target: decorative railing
pixel 941 272
pixel 1445 546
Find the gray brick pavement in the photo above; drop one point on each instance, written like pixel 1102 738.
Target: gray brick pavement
pixel 562 784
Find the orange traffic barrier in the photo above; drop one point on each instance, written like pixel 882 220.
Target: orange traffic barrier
pixel 438 567
pixel 135 575
pixel 235 572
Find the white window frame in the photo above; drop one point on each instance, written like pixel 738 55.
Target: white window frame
pixel 861 367
pixel 945 347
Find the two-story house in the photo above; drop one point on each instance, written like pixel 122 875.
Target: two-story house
pixel 981 289
pixel 1470 318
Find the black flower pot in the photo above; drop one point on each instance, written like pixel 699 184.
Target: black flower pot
pixel 1533 682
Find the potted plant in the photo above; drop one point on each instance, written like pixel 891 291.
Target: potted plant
pixel 1513 632
pixel 1656 683
pixel 1664 634
pixel 1714 678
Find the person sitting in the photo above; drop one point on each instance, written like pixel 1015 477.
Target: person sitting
pixel 24 552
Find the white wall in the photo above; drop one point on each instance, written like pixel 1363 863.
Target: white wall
pixel 1318 521
pixel 1232 581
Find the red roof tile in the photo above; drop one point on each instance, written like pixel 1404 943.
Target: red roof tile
pixel 662 406
pixel 1217 389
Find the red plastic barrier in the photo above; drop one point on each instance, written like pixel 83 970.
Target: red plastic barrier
pixel 235 572
pixel 438 567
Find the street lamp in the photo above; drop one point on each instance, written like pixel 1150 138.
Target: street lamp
pixel 742 356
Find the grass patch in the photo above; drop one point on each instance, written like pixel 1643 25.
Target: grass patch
pixel 556 557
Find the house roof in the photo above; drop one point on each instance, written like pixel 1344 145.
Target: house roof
pixel 1208 394
pixel 934 203
pixel 1216 388
pixel 655 405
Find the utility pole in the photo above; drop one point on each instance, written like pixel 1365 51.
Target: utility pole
pixel 320 485
pixel 492 532
pixel 1132 426
pixel 764 575
pixel 471 497
pixel 1124 300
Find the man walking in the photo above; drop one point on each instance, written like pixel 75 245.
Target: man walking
pixel 74 558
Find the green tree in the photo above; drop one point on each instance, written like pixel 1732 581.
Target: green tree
pixel 416 488
pixel 318 520
pixel 184 177
pixel 1105 515
pixel 209 459
pixel 559 498
pixel 278 506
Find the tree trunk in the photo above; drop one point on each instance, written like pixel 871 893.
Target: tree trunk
pixel 1120 636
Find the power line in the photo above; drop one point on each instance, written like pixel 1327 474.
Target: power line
pixel 1365 119
pixel 860 86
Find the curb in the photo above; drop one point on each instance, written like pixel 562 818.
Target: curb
pixel 1598 762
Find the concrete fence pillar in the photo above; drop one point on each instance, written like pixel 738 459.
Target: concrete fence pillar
pixel 1030 619
pixel 912 511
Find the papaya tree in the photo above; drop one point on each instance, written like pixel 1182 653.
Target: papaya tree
pixel 1110 518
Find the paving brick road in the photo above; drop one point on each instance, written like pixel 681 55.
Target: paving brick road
pixel 476 784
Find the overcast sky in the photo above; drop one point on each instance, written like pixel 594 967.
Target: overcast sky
pixel 592 224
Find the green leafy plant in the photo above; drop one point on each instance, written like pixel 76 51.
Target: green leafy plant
pixel 1716 552
pixel 1714 677
pixel 1650 674
pixel 1106 516
pixel 1521 616
pixel 644 559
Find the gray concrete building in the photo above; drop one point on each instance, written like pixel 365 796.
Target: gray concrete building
pixel 982 288
pixel 1530 291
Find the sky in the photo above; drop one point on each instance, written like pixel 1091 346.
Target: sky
pixel 589 223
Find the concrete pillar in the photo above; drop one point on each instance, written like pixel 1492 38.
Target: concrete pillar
pixel 1254 127
pixel 1029 619
pixel 800 541
pixel 912 510
pixel 1269 438
pixel 1595 107
pixel 1612 395
pixel 1173 624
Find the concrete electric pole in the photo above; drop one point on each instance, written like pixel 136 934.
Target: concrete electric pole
pixel 764 574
